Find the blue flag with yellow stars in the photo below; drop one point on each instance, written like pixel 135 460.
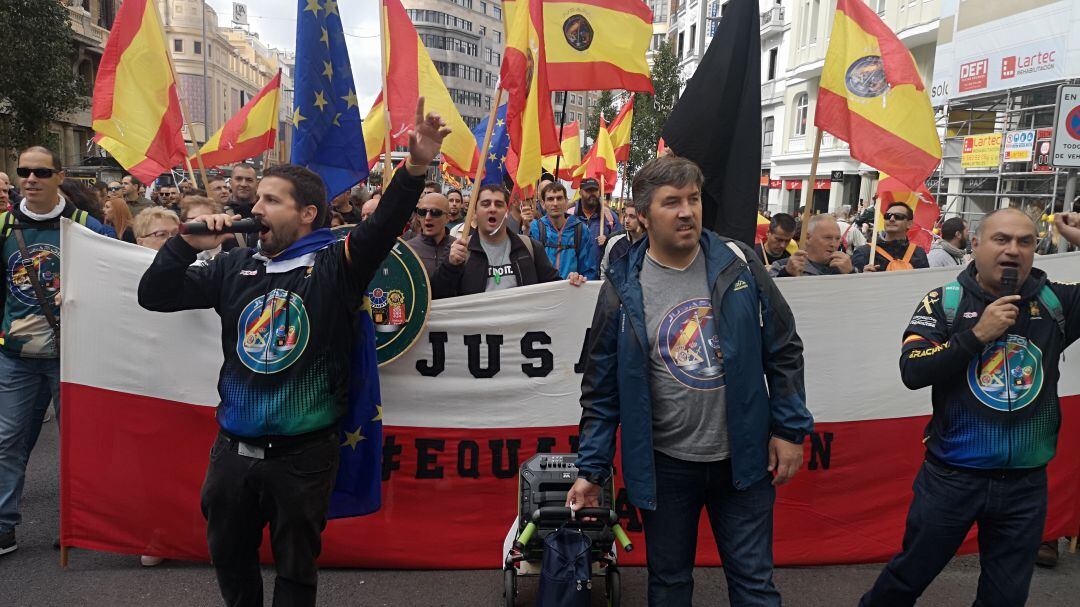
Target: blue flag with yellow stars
pixel 495 156
pixel 327 136
pixel 358 487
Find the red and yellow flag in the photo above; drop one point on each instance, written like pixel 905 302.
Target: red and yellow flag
pixel 620 131
pixel 873 97
pixel 923 205
pixel 571 152
pixel 600 161
pixel 411 75
pixel 136 110
pixel 594 44
pixel 249 133
pixel 529 116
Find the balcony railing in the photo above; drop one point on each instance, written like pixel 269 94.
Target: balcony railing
pixel 772 20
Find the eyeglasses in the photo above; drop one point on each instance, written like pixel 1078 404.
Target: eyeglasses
pixel 434 213
pixel 115 188
pixel 897 216
pixel 40 173
pixel 162 234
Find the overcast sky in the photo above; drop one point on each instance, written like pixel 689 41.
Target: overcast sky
pixel 275 22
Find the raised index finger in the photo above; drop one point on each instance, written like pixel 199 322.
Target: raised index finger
pixel 419 111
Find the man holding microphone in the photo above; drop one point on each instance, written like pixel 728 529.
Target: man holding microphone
pixel 989 345
pixel 284 310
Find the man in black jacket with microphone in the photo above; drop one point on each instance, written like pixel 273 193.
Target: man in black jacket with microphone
pixel 989 344
pixel 286 308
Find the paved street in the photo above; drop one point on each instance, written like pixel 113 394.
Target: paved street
pixel 32 576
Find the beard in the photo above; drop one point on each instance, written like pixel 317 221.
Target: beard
pixel 279 239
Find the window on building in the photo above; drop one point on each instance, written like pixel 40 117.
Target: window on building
pixel 767 127
pixel 678 54
pixel 498 12
pixel 483 7
pixel 693 36
pixel 210 50
pixel 773 54
pixel 802 107
pixel 178 45
pixel 879 6
pixel 196 46
pixel 815 14
pixel 498 37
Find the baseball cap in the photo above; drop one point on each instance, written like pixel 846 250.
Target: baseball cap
pixel 588 183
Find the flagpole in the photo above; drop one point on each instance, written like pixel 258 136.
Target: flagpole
pixel 873 237
pixel 480 164
pixel 603 196
pixel 808 195
pixel 562 122
pixel 388 163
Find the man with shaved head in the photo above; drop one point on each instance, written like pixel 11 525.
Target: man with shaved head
pixel 820 256
pixel 989 345
pixel 432 244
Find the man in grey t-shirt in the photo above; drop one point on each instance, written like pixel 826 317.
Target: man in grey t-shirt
pixel 695 368
pixel 686 367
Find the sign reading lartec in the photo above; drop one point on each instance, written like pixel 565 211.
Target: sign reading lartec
pixel 1067 128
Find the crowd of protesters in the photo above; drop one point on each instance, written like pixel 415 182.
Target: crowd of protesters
pixel 513 241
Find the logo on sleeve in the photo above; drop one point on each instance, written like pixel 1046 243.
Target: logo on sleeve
pixel 1008 375
pixel 273 332
pixel 690 347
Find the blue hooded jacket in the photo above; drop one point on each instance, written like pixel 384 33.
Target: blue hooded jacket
pixel 763 363
pixel 569 249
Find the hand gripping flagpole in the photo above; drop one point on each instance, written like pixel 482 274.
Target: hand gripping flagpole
pixel 480 165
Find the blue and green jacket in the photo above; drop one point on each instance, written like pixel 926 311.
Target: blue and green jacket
pixel 995 404
pixel 570 249
pixel 763 360
pixel 24 328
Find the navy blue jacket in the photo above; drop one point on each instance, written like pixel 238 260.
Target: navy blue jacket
pixel 762 358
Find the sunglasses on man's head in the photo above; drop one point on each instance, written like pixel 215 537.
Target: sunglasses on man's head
pixel 40 173
pixel 435 213
pixel 897 216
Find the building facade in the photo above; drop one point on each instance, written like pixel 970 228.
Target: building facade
pixel 465 39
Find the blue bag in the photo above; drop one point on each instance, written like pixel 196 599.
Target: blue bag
pixel 566 570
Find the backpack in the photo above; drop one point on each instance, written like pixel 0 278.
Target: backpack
pixel 953 292
pixel 542 232
pixel 898 265
pixel 566 570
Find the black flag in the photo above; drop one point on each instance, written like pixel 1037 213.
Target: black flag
pixel 717 123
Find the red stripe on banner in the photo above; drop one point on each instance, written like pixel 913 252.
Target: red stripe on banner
pixel 590 75
pixel 125 27
pixel 891 154
pixel 630 7
pixel 132 468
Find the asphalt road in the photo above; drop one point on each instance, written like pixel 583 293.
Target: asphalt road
pixel 32 576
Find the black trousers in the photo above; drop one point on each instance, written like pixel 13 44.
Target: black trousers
pixel 289 490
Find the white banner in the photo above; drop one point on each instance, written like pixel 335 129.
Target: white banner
pixel 525 341
pixel 992 45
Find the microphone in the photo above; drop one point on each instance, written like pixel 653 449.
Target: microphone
pixel 1009 278
pixel 243 226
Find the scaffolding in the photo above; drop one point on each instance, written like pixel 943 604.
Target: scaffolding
pixel 971 193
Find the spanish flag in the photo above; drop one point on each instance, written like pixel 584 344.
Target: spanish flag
pixel 529 114
pixel 600 161
pixel 620 131
pixel 926 211
pixel 571 152
pixel 594 44
pixel 411 75
pixel 136 110
pixel 249 133
pixel 872 97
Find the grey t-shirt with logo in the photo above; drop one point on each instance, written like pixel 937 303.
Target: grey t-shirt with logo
pixel 686 367
pixel 500 270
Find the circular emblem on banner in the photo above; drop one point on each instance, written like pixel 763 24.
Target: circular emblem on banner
pixel 1008 375
pixel 866 77
pixel 273 332
pixel 689 346
pixel 46 262
pixel 399 296
pixel 578 32
pixel 1072 123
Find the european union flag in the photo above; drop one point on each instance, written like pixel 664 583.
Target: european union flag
pixel 327 137
pixel 358 487
pixel 495 155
